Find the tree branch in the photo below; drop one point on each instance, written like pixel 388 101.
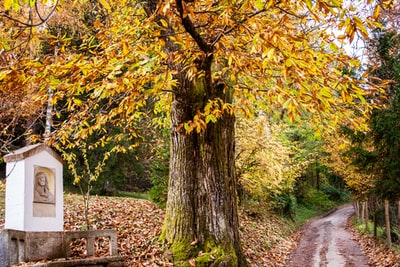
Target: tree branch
pixel 191 29
pixel 27 24
pixel 216 40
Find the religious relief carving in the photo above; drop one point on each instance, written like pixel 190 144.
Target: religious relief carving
pixel 42 192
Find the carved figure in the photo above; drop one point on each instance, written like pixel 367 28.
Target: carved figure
pixel 42 192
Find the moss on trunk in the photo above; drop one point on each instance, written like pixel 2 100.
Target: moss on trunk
pixel 201 222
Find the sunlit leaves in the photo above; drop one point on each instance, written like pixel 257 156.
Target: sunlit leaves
pixel 273 55
pixel 265 165
pixel 21 105
pixel 213 110
pixel 105 4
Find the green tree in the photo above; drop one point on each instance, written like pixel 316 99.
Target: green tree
pixel 385 122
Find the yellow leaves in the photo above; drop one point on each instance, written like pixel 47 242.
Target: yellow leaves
pixel 77 101
pixel 4 73
pixel 213 110
pixel 387 3
pixel 309 4
pixel 350 29
pixel 289 62
pixel 259 4
pixel 164 22
pixel 331 7
pixel 377 11
pixel 211 118
pixel 269 53
pixel 277 58
pixel 105 4
pixel 8 4
pixel 11 4
pixel 125 47
pixel 337 145
pixel 333 47
pixel 359 25
pixel 264 163
pixel 355 25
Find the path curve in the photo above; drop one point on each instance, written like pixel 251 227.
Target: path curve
pixel 327 242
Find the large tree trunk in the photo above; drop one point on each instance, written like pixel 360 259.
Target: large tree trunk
pixel 201 223
pixel 201 213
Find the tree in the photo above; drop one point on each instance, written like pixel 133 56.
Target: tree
pixel 85 172
pixel 374 153
pixel 384 123
pixel 208 60
pixel 266 165
pixel 21 109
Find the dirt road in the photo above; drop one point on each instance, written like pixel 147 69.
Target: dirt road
pixel 326 242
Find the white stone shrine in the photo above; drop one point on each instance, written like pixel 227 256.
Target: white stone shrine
pixel 34 190
pixel 34 218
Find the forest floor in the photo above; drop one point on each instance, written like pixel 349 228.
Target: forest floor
pixel 267 239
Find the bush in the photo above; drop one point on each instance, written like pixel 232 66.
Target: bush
pixel 284 204
pixel 318 199
pixel 335 194
pixel 159 178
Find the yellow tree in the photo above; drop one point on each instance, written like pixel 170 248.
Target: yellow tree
pixel 264 163
pixel 206 61
pixel 20 110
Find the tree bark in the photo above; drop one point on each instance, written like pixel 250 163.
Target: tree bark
pixel 357 211
pixel 362 212
pixel 398 215
pixel 201 223
pixel 366 217
pixel 201 213
pixel 387 222
pixel 375 217
pixel 317 175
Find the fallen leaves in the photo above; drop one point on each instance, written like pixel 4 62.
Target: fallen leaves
pixel 379 254
pixel 138 223
pixel 267 240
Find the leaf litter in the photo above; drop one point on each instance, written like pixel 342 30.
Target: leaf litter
pixel 267 240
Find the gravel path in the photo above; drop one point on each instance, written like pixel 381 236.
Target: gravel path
pixel 327 242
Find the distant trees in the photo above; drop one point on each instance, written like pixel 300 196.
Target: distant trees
pixel 266 163
pixel 375 153
pixel 385 122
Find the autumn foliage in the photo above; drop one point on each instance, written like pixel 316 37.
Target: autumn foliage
pixel 204 62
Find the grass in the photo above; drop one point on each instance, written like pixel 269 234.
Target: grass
pixel 361 228
pixel 138 195
pixel 304 213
